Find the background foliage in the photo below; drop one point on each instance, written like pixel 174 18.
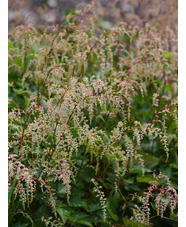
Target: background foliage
pixel 92 124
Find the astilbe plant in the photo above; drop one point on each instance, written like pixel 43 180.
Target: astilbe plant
pixel 166 195
pixel 83 106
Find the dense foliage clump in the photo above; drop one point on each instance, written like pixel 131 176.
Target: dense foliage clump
pixel 92 125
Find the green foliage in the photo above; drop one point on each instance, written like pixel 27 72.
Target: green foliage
pixel 92 126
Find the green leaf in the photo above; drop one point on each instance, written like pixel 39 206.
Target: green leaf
pixel 144 179
pixel 166 171
pixel 11 191
pixel 93 207
pixel 80 218
pixel 9 46
pixel 166 55
pixel 76 197
pixel 113 216
pixel 61 189
pixel 174 165
pixel 64 212
pixel 174 217
pixel 20 91
pixel 84 222
pixel 101 117
pixel 129 223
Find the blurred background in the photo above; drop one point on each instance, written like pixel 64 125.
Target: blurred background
pixel 159 13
